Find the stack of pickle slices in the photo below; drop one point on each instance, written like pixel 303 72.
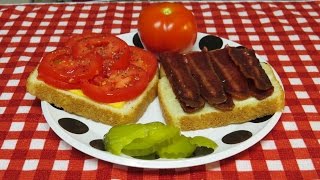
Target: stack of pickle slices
pixel 155 140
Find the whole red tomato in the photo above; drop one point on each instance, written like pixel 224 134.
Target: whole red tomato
pixel 167 27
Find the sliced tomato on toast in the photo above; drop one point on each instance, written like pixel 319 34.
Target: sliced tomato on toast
pixel 61 66
pixel 113 50
pixel 123 85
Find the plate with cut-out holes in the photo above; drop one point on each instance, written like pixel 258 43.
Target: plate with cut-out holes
pixel 86 135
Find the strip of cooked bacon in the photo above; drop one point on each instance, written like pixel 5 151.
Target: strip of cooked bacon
pixel 183 84
pixel 250 66
pixel 235 83
pixel 211 87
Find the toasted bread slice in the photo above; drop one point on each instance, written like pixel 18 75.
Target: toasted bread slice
pixel 244 110
pixel 81 105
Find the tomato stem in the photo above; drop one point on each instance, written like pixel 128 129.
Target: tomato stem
pixel 166 11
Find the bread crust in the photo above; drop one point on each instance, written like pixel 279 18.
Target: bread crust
pixel 83 106
pixel 243 111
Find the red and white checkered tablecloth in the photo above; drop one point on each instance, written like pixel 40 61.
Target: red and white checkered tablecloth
pixel 285 33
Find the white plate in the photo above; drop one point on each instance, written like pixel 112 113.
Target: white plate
pixel 153 113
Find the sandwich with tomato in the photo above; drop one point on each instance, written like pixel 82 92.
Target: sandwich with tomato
pixel 98 77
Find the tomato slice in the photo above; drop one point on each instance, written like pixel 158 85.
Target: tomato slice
pixel 123 85
pixel 77 37
pixel 57 83
pixel 144 59
pixel 62 66
pixel 114 51
pixel 120 85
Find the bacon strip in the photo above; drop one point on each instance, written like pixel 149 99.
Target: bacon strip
pixel 250 66
pixel 211 87
pixel 235 82
pixel 183 84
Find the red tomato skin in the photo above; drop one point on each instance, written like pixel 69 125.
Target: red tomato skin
pixel 167 27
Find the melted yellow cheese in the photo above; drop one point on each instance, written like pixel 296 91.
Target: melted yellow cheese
pixel 116 104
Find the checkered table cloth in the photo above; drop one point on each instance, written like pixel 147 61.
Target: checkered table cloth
pixel 285 33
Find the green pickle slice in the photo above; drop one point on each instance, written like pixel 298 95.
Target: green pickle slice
pixel 155 140
pixel 180 148
pixel 120 136
pixel 158 135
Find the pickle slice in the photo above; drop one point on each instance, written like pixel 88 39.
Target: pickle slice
pixel 180 148
pixel 201 141
pixel 158 136
pixel 120 136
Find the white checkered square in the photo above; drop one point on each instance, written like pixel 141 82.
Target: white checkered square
pixel 13 82
pixel 302 95
pixel 120 8
pixel 299 47
pixel 289 69
pixel 19 70
pixel 207 14
pixel 243 13
pixel 115 31
pixel 314 37
pixel 312 69
pixel 250 29
pixel 4 164
pixel 97 30
pixel 64 146
pixel 211 29
pixel 104 8
pixel 101 22
pixel 243 165
pixel 316 80
pixel 257 47
pixel 101 15
pixel 305 57
pixel 16 126
pixel 69 8
pixel 254 38
pixel 2 110
pixel 8 24
pixel 28 96
pixel 63 23
pixel 60 165
pixel 268 145
pixel 32 15
pixel 43 127
pixel 55 39
pixel 40 31
pixel 233 37
pixel 4 59
pixel 48 16
pixel 9 144
pixel 309 108
pixel 297 143
pixel 52 8
pixel 274 38
pixel 119 15
pixel 295 81
pixel 37 143
pixel 20 32
pixel 64 16
pixel 208 21
pixel 290 126
pixel 246 21
pixel 26 23
pixel 274 165
pixel 215 166
pixel 288 28
pixel 294 37
pixel 15 39
pixel 24 58
pixel 44 23
pixel 81 23
pixel 307 29
pixel 227 21
pixel 231 30
pixel 315 125
pixel 10 49
pixel 30 164
pixel 50 48
pixel 278 47
pixel 30 49
pixel 90 165
pixel 305 164
pixel 23 109
pixel 264 20
pixel 6 96
pixel 59 31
